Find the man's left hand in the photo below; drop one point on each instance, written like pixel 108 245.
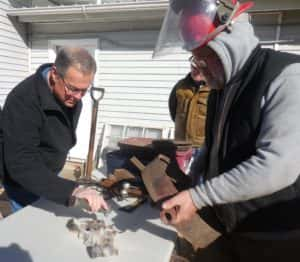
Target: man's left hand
pixel 93 198
pixel 184 206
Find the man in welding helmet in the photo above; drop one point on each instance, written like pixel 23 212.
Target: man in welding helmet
pixel 247 178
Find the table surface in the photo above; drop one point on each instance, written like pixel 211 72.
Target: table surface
pixel 38 233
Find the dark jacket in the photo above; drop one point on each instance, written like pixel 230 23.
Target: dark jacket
pixel 38 133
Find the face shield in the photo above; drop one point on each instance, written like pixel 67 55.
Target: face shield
pixel 192 23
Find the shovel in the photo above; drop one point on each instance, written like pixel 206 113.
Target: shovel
pixel 97 94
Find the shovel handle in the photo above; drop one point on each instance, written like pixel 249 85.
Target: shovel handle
pixel 96 100
pixel 100 91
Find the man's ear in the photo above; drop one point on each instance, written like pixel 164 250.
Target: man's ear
pixel 54 71
pixel 53 77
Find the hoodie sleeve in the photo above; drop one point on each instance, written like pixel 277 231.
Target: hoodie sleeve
pixel 276 164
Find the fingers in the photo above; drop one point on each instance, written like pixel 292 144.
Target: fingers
pixel 171 203
pixel 94 199
pixel 179 208
pixel 171 208
pixel 169 216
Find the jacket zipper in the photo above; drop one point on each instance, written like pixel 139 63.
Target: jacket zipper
pixel 218 140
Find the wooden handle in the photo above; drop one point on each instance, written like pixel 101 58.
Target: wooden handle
pixel 137 163
pixel 90 156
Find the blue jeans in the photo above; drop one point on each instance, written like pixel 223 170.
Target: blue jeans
pixel 19 197
pixel 15 206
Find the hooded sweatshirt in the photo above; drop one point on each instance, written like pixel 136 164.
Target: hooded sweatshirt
pixel 276 162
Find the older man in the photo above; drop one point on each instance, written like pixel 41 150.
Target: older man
pixel 39 119
pixel 248 177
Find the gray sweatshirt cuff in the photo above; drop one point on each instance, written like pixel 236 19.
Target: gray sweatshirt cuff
pixel 199 198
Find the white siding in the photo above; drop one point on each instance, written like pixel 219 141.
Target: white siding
pixel 136 86
pixel 39 54
pixel 13 53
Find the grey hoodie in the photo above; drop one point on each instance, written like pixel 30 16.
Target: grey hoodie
pixel 276 164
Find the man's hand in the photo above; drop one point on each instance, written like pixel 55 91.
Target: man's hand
pixel 94 199
pixel 184 206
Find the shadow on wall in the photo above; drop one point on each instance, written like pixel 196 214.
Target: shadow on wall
pixel 14 253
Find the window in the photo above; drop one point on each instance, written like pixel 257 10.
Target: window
pixel 290 29
pixel 114 133
pixel 278 28
pixel 265 26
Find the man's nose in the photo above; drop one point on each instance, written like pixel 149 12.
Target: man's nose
pixel 78 95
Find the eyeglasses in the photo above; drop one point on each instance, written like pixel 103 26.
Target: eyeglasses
pixel 197 64
pixel 74 90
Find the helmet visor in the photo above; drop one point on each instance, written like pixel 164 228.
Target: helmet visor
pixel 188 24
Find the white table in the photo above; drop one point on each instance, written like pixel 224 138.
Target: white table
pixel 38 233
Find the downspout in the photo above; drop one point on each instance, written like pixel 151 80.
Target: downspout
pixel 83 11
pixel 29 41
pixel 278 31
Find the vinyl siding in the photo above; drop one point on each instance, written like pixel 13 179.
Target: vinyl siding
pixel 13 53
pixel 136 86
pixel 39 54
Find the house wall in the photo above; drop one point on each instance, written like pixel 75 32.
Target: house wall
pixel 267 5
pixel 137 87
pixel 14 58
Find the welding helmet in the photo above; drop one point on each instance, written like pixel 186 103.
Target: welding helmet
pixel 192 23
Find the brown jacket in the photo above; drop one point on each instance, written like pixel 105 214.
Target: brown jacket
pixel 187 105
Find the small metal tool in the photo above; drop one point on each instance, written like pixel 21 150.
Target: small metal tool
pixel 134 205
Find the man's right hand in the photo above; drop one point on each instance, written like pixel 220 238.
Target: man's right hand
pixel 184 206
pixel 93 198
